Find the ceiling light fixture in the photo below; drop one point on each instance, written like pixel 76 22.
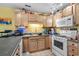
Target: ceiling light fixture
pixel 27 5
pixel 61 4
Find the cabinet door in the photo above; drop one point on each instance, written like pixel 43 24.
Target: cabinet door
pixel 25 44
pixel 57 16
pixel 32 45
pixel 41 43
pixel 32 18
pixel 25 19
pixel 49 21
pixel 39 19
pixel 47 42
pixel 44 20
pixel 77 14
pixel 18 19
pixel 67 11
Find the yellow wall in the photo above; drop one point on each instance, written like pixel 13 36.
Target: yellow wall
pixel 6 12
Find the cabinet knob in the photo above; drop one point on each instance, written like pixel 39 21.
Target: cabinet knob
pixel 72 44
pixel 72 49
pixel 72 55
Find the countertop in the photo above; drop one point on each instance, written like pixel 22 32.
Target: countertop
pixel 35 35
pixel 8 45
pixel 76 41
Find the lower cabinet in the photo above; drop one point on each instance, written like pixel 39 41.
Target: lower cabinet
pixel 33 44
pixel 25 44
pixel 41 43
pixel 47 42
pixel 72 48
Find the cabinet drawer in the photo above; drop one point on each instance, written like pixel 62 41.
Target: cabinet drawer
pixel 72 54
pixel 72 44
pixel 73 50
pixel 72 47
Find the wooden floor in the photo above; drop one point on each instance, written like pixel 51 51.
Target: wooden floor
pixel 40 53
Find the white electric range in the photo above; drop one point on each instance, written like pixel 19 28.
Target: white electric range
pixel 59 43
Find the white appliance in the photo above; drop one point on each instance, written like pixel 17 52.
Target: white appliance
pixel 66 21
pixel 59 46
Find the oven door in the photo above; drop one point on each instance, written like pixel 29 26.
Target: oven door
pixel 60 45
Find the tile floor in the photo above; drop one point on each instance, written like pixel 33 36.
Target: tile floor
pixel 40 53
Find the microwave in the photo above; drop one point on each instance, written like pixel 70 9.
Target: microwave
pixel 66 21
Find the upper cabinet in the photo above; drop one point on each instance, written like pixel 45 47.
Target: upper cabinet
pixel 24 19
pixel 32 18
pixel 71 10
pixel 76 13
pixel 36 18
pixel 44 18
pixel 68 11
pixel 49 21
pixel 58 15
pixel 18 19
pixel 21 19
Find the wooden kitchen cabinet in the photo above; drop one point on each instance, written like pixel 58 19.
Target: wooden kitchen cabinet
pixel 49 21
pixel 36 18
pixel 33 45
pixel 21 19
pixel 50 42
pixel 25 44
pixel 24 19
pixel 72 48
pixel 47 42
pixel 18 19
pixel 41 43
pixel 32 18
pixel 76 13
pixel 68 11
pixel 44 20
pixel 40 19
pixel 58 15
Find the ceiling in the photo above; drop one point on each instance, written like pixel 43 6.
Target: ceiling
pixel 37 7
